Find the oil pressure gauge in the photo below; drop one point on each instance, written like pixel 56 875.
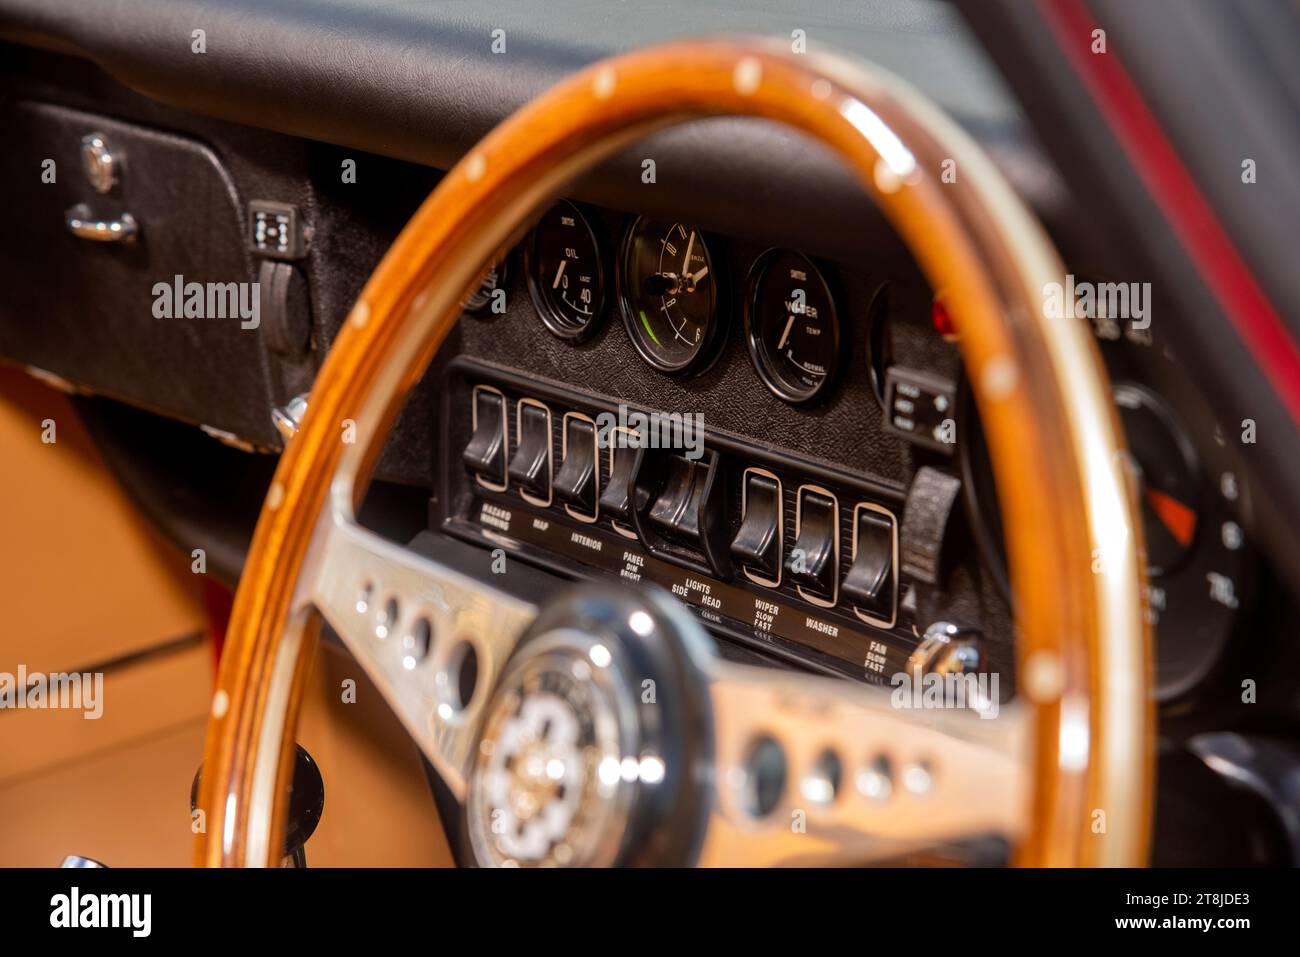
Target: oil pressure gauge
pixel 566 272
pixel 792 325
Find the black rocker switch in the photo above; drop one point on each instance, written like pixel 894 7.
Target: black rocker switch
pixel 575 482
pixel 869 585
pixel 757 545
pixel 676 512
pixel 530 466
pixel 485 455
pixel 812 563
pixel 614 501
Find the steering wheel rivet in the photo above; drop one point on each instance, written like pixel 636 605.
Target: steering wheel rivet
pixel 475 167
pixel 1042 677
pixel 999 378
pixel 274 496
pixel 747 76
pixel 603 84
pixel 887 178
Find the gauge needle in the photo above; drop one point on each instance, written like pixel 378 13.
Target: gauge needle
pixel 789 324
pixel 695 279
pixel 1173 514
pixel 559 273
pixel 686 263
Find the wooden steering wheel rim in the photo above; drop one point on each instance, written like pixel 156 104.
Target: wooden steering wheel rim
pixel 1066 493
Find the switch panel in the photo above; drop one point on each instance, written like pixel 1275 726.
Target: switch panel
pixel 814 560
pixel 757 545
pixel 530 466
pixel 751 538
pixel 577 481
pixel 485 455
pixel 871 584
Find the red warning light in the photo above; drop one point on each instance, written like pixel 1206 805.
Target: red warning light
pixel 943 323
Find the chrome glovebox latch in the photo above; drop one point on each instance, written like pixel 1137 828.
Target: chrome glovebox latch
pixel 102 166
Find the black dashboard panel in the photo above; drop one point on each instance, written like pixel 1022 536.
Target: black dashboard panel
pixel 420 81
pixel 679 524
pixel 748 187
pixel 843 452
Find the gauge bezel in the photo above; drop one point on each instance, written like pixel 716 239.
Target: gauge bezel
pixel 477 303
pixel 546 311
pixel 983 514
pixel 762 362
pixel 715 333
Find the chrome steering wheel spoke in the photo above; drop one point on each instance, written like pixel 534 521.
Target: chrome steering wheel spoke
pixel 433 640
pixel 814 770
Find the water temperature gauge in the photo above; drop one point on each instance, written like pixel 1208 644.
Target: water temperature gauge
pixel 794 332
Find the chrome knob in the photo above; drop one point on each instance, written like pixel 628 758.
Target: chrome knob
pixel 99 162
pixel 288 417
pixel 948 649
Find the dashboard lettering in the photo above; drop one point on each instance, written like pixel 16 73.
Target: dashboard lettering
pixel 821 626
pixel 586 541
pixel 495 516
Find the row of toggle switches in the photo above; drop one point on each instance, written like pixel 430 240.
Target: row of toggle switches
pixel 528 465
pixel 811 562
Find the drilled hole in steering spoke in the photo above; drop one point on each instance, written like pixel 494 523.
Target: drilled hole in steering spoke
pixel 386 620
pixel 918 777
pixel 415 643
pixel 365 597
pixel 821 785
pixel 876 780
pixel 764 778
pixel 459 679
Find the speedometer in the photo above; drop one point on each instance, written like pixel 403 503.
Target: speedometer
pixel 669 295
pixel 1192 506
pixel 1194 547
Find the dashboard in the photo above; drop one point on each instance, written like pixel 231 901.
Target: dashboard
pixel 614 411
pixel 720 373
pixel 821 495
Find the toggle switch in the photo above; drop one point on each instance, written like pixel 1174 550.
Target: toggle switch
pixel 676 512
pixel 530 466
pixel 757 545
pixel 870 583
pixel 576 481
pixel 485 455
pixel 814 559
pixel 615 500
